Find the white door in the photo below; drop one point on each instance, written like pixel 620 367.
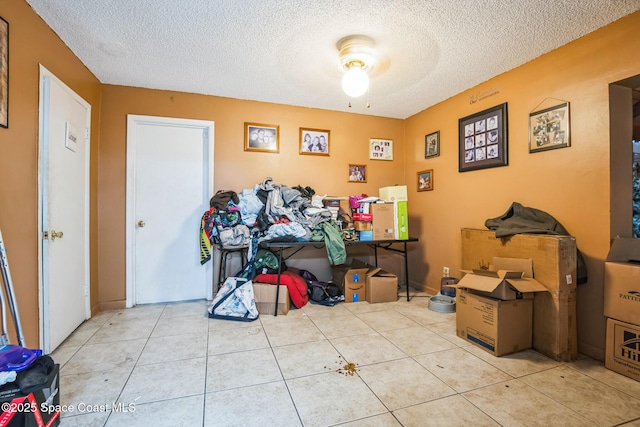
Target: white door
pixel 65 120
pixel 169 185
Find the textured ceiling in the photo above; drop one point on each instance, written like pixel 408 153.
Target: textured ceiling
pixel 284 51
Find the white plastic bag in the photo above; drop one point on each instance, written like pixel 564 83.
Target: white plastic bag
pixel 234 301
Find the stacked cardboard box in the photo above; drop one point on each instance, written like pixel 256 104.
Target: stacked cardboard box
pixel 494 309
pixel 554 264
pixel 398 196
pixel 382 215
pixel 622 307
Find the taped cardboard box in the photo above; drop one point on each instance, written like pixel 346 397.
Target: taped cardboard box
pixel 498 327
pixel 383 221
pixel 264 295
pixel 554 265
pixel 622 353
pixel 352 280
pixel 502 284
pixel 381 286
pixel 622 281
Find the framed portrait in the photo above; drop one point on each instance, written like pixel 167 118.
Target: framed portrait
pixel 380 149
pixel 314 142
pixel 483 139
pixel 4 73
pixel 549 128
pixel 425 180
pixel 261 137
pixel 357 173
pixel 432 145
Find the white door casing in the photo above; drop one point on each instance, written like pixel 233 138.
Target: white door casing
pixel 63 211
pixel 169 185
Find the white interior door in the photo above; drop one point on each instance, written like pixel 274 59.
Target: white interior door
pixel 169 185
pixel 64 210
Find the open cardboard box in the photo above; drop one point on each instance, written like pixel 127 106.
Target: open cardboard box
pixel 381 286
pixel 509 282
pixel 264 294
pixel 498 327
pixel 351 279
pixel 622 281
pixel 361 282
pixel 555 333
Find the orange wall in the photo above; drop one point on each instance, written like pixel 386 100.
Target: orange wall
pixel 572 184
pixel 234 168
pixel 32 42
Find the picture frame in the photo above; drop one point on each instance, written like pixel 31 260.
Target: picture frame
pixel 483 139
pixel 4 73
pixel 357 173
pixel 549 128
pixel 314 142
pixel 425 180
pixel 380 149
pixel 432 145
pixel 261 137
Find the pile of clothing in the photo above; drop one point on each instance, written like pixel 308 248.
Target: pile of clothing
pixel 269 212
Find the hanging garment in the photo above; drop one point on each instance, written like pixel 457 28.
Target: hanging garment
pixel 520 219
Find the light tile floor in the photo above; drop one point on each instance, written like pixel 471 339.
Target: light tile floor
pixel 170 365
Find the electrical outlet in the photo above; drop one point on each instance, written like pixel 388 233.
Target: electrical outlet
pixel 445 272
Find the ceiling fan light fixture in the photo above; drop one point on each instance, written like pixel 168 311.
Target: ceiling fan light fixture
pixel 357 59
pixel 355 81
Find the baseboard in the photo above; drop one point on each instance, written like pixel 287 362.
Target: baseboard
pixel 112 305
pixel 591 351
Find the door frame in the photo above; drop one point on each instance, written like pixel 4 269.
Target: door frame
pixel 43 201
pixel 133 120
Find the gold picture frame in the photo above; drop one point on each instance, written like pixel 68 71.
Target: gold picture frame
pixel 380 149
pixel 425 180
pixel 261 137
pixel 4 73
pixel 314 142
pixel 357 173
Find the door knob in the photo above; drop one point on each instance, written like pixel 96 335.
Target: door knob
pixel 141 224
pixel 53 234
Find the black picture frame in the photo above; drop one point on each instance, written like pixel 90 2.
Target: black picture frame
pixel 432 145
pixel 550 128
pixel 483 139
pixel 4 73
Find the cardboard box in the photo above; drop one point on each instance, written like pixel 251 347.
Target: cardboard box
pixel 45 400
pixel 352 280
pixel 362 225
pixel 622 353
pixel 362 217
pixel 365 235
pixel 383 221
pixel 381 286
pixel 401 220
pixel 622 281
pixel 498 327
pixel 264 295
pixel 502 284
pixel 554 260
pixel 396 193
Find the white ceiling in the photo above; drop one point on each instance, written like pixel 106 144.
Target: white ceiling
pixel 284 51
